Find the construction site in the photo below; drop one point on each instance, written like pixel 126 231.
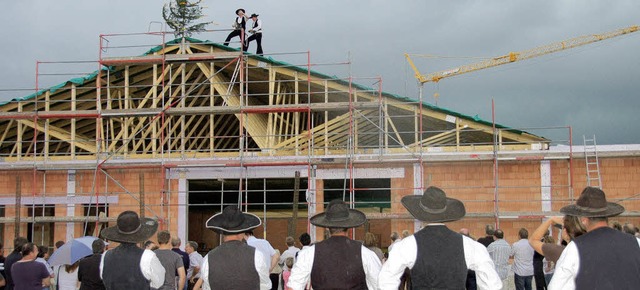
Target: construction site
pixel 178 129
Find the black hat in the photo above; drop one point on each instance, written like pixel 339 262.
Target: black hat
pixel 254 15
pixel 593 203
pixel 240 9
pixel 338 215
pixel 232 220
pixel 434 206
pixel 130 228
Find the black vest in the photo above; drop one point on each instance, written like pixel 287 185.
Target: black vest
pixel 122 268
pixel 337 264
pixel 232 266
pixel 440 262
pixel 243 24
pixel 609 259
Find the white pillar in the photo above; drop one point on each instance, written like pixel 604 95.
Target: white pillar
pixel 418 190
pixel 182 210
pixel 71 208
pixel 545 185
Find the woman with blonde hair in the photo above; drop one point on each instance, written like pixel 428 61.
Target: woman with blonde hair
pixel 66 277
pixel 371 243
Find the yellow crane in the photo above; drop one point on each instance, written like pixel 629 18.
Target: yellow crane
pixel 517 56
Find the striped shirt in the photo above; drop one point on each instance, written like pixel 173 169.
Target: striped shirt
pixel 522 253
pixel 500 251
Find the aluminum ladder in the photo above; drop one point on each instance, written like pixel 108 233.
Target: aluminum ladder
pixel 591 162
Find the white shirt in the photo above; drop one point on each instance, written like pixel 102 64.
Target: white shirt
pixel 150 266
pixel 567 269
pixel 263 246
pixel 404 255
pixel 290 252
pixel 258 261
pixel 195 260
pixel 301 271
pixel 522 253
pixel 394 243
pixel 66 281
pixel 257 29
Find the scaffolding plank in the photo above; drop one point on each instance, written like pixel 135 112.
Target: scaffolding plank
pixel 151 59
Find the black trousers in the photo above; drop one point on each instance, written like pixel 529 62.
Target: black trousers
pixel 258 38
pixel 232 35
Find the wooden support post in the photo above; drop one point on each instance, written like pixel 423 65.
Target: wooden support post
pixel 73 121
pixel 141 185
pixel 47 100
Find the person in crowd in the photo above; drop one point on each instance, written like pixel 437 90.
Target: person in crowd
pixel 127 266
pixel 291 251
pixel 239 26
pixel 571 229
pixel 89 268
pixel 488 239
pixel 244 266
pixel 171 261
pixel 437 256
pixel 305 241
pixel 150 245
pixel 42 258
pixel 337 262
pixel 275 274
pixel 271 256
pixel 2 258
pixel 548 266
pixel 395 238
pixel 256 34
pixel 59 244
pixel 175 243
pixel 195 262
pixel 66 276
pixel 522 254
pixel 616 226
pixel 27 274
pixel 287 272
pixel 371 243
pixel 471 283
pixel 500 251
pixel 629 228
pixel 602 258
pixel 538 271
pixel 14 257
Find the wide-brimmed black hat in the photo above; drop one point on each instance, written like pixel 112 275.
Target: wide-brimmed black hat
pixel 593 203
pixel 233 220
pixel 434 206
pixel 240 9
pixel 254 15
pixel 338 215
pixel 130 228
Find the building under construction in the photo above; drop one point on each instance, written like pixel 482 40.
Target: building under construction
pixel 191 126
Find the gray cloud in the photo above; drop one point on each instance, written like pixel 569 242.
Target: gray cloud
pixel 594 89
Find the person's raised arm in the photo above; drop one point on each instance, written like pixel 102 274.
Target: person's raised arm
pixel 535 240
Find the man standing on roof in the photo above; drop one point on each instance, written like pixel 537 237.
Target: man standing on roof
pixel 437 256
pixel 337 262
pixel 238 27
pixel 256 34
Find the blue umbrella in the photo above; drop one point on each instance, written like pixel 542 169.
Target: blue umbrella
pixel 72 251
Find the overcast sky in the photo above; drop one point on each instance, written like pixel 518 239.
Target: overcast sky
pixel 595 89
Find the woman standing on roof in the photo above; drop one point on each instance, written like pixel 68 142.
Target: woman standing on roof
pixel 238 27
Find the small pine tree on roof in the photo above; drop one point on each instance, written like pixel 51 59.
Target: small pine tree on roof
pixel 180 14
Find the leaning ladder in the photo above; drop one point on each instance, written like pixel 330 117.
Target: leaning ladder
pixel 591 162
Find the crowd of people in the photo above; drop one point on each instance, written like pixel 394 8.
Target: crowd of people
pixel 589 254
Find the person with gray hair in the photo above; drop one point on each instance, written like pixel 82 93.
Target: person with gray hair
pixel 89 268
pixel 195 260
pixel 486 241
pixel 175 246
pixel 395 238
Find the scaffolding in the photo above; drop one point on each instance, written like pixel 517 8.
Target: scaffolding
pixel 188 105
